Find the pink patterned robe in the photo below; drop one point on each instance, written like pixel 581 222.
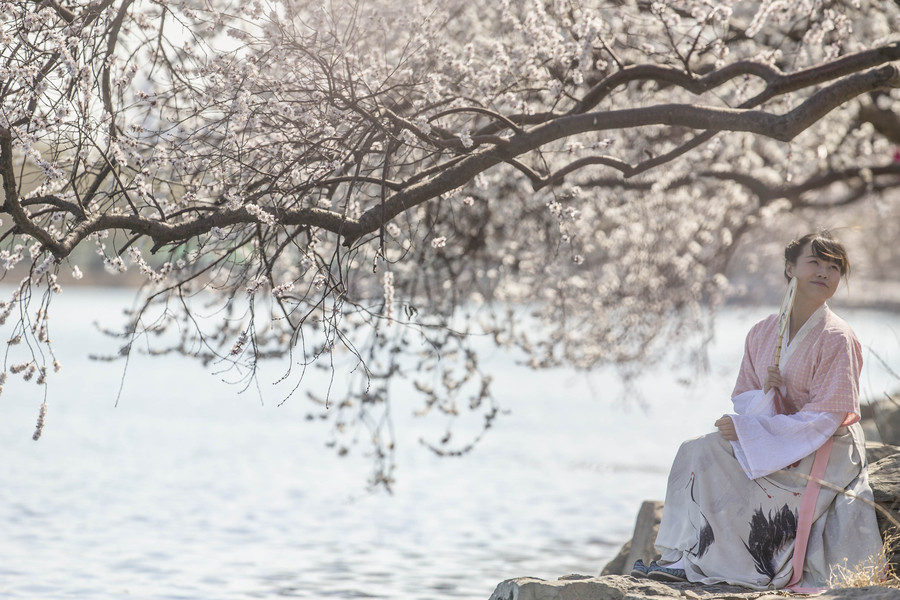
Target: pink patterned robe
pixel 821 365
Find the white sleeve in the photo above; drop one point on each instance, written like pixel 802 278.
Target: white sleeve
pixel 769 443
pixel 755 402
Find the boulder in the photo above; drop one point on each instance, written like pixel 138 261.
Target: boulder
pixel 867 421
pixel 621 587
pixel 875 451
pixel 884 417
pixel 884 477
pixel 613 587
pixel 641 543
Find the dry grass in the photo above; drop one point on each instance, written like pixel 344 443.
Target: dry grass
pixel 879 571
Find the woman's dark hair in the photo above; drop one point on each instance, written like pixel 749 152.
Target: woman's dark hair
pixel 823 246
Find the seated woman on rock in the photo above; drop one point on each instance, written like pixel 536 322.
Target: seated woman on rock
pixel 742 504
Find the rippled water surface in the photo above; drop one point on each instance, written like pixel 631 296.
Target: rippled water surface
pixel 190 490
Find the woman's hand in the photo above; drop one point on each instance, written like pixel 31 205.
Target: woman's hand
pixel 726 428
pixel 773 379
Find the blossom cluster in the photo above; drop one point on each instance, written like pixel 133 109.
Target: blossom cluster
pixel 300 151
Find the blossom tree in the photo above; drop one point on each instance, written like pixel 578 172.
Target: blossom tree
pixel 375 183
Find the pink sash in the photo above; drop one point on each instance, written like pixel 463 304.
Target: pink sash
pixel 807 512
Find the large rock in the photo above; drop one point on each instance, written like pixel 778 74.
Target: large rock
pixel 884 416
pixel 875 451
pixel 884 477
pixel 641 544
pixel 619 587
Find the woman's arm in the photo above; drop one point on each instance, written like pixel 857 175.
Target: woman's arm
pixel 767 444
pixel 747 378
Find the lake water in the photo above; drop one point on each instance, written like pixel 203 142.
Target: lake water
pixel 189 490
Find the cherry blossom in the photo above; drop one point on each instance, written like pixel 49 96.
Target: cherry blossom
pixel 338 178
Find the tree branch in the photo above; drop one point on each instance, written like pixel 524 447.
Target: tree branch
pixel 163 233
pixel 781 127
pixel 863 177
pixel 11 202
pixel 778 82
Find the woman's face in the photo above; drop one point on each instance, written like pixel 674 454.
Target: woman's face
pixel 817 278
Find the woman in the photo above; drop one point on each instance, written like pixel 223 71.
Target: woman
pixel 734 508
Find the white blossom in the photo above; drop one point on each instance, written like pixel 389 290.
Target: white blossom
pixel 239 343
pixel 282 289
pixel 254 284
pixel 262 215
pixel 42 416
pixel 466 138
pixel 389 296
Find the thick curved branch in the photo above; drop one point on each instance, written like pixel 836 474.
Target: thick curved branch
pixel 676 77
pixel 781 127
pixel 504 122
pixel 163 233
pixel 862 177
pixel 841 67
pixel 557 176
pixel 790 83
pixel 829 98
pixel 782 85
pixel 54 201
pixel 777 81
pixel 820 105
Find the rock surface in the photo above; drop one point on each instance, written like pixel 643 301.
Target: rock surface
pixel 875 451
pixel 884 477
pixel 621 587
pixel 881 418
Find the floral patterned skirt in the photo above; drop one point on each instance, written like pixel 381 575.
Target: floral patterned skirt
pixel 732 529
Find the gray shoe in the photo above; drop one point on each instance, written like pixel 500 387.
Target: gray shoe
pixel 660 573
pixel 640 569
